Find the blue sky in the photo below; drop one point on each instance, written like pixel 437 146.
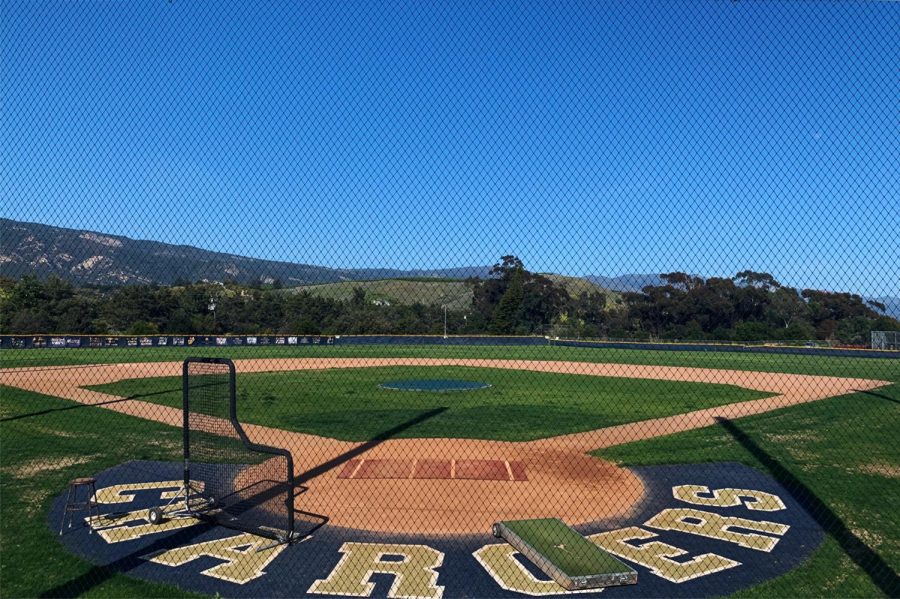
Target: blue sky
pixel 594 137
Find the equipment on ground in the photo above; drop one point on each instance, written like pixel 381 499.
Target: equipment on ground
pixel 228 479
pixel 560 552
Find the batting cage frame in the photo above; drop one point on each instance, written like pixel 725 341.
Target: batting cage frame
pixel 228 479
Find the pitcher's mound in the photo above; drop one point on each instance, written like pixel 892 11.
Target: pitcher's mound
pixel 433 385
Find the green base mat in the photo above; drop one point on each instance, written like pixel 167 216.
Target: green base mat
pixel 564 555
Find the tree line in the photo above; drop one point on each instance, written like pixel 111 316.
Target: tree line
pixel 748 307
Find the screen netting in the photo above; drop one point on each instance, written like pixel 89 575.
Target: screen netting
pixel 628 266
pixel 245 485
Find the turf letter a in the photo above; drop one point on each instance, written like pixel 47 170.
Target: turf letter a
pixel 243 557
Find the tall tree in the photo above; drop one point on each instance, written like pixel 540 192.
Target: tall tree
pixel 509 310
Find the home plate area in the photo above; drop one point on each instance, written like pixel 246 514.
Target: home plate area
pixel 702 530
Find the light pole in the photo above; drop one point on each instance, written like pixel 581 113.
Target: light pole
pixel 444 306
pixel 212 308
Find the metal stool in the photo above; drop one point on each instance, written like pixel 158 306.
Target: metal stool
pixel 74 505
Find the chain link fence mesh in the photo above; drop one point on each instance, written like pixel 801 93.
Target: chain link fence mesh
pixel 480 268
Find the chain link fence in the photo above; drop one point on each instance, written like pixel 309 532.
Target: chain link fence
pixel 449 299
pixel 886 340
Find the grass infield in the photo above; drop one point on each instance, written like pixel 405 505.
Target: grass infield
pixel 348 404
pixel 40 455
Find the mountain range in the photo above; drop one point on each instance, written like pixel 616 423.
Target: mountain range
pixel 93 258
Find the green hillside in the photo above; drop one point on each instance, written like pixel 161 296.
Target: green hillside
pixel 578 286
pixel 456 294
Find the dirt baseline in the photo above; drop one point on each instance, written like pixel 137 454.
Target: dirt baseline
pixel 554 477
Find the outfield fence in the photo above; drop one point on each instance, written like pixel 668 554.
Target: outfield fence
pixel 884 348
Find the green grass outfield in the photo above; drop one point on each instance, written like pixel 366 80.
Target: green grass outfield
pixel 843 451
pixel 839 456
pixel 40 454
pixel 886 369
pixel 347 404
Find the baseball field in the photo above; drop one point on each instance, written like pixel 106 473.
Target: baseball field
pixel 565 432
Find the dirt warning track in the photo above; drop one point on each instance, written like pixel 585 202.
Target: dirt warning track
pixel 454 486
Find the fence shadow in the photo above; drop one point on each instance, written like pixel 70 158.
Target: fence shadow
pixel 99 404
pixel 97 575
pixel 878 571
pixel 880 395
pixel 63 409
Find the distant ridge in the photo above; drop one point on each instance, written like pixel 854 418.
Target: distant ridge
pixel 891 305
pixel 630 282
pixel 94 258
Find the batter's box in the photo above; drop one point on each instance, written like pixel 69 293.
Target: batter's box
pixel 382 469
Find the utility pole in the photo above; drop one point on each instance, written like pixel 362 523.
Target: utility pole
pixel 212 308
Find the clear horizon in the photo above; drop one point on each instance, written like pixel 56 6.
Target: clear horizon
pixel 584 274
pixel 586 138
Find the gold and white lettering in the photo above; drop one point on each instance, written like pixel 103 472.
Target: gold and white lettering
pixel 243 556
pixel 714 526
pixel 125 493
pixel 752 500
pixel 658 556
pixel 500 562
pixel 134 525
pixel 415 572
